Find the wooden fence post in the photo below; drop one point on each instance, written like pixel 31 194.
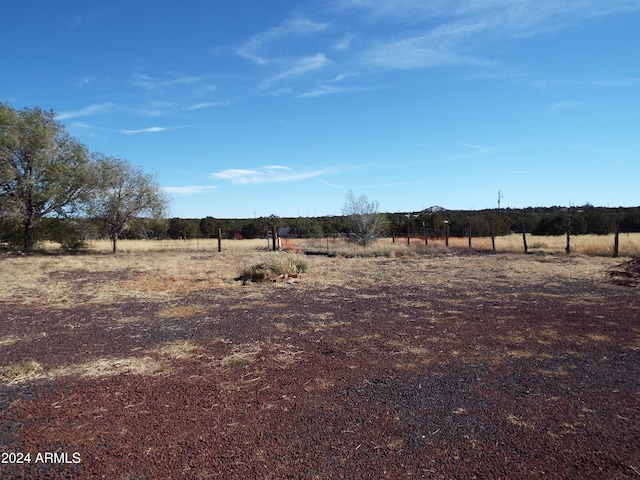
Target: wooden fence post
pixel 469 235
pixel 616 242
pixel 274 236
pixel 446 233
pixel 219 240
pixel 408 236
pixel 568 247
pixel 493 237
pixel 524 237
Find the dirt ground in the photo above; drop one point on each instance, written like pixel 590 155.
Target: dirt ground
pixel 452 366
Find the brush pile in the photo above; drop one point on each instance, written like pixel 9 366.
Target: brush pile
pixel 626 274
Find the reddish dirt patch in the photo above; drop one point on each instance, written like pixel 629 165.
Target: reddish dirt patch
pixel 376 381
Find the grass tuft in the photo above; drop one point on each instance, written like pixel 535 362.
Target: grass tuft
pixel 271 268
pixel 20 372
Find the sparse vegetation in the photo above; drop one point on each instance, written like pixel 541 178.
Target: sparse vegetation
pixel 20 372
pixel 273 267
pixel 164 340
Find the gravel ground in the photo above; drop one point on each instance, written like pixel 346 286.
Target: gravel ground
pixel 408 378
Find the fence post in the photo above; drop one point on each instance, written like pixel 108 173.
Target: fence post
pixel 446 233
pixel 469 235
pixel 408 236
pixel 493 237
pixel 568 248
pixel 616 241
pixel 424 234
pixel 219 240
pixel 274 236
pixel 524 237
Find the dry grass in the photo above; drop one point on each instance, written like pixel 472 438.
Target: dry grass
pixel 242 355
pixel 31 370
pixel 180 349
pixel 382 247
pixel 104 367
pixel 601 245
pixel 197 245
pixel 68 280
pixel 20 372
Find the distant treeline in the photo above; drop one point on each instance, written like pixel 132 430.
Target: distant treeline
pixel 586 219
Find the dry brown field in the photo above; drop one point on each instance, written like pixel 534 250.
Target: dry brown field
pixel 156 363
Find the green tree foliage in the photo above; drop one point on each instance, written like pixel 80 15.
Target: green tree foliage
pixel 598 221
pixel 43 170
pixel 551 225
pixel 71 233
pixel 305 227
pixel 120 193
pixel 630 221
pixel 183 228
pixel 209 227
pixel 252 230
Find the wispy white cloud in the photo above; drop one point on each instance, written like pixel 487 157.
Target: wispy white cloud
pixel 446 33
pixel 478 148
pixel 415 52
pixel 320 90
pixel 266 174
pixel 201 105
pixel 148 130
pixel 332 185
pixel 172 79
pixel 82 125
pixel 259 48
pixel 332 86
pixel 189 190
pixel 344 43
pixel 299 67
pixel 520 15
pixel 85 81
pixel 566 105
pixel 87 111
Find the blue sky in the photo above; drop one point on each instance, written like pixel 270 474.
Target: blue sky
pixel 250 108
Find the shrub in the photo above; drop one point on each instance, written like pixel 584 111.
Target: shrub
pixel 263 271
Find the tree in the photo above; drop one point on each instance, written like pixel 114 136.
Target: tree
pixel 43 170
pixel 183 228
pixel 364 220
pixel 209 227
pixel 123 192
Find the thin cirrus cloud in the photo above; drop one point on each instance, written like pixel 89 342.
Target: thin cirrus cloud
pixel 189 190
pixel 566 105
pixel 259 47
pixel 147 130
pixel 466 26
pixel 172 79
pixel 299 67
pixel 266 174
pixel 414 53
pixel 201 105
pixel 478 148
pixel 95 109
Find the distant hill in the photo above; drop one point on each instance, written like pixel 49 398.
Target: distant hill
pixel 434 209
